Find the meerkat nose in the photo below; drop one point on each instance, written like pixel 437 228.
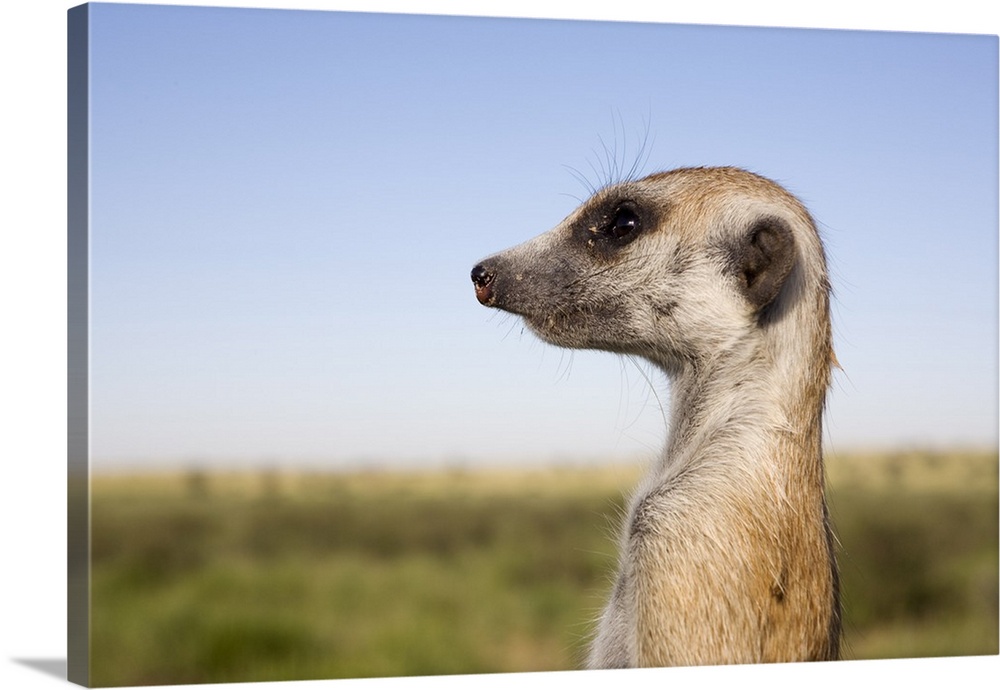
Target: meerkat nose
pixel 482 278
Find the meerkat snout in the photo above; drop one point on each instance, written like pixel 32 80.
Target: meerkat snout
pixel 482 278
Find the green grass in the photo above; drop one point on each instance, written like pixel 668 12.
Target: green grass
pixel 253 577
pixel 919 556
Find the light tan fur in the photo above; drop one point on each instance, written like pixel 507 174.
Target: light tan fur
pixel 718 277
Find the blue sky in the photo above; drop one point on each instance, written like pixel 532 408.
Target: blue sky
pixel 286 206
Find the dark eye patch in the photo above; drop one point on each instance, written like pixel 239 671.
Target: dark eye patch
pixel 625 223
pixel 613 222
pixel 618 225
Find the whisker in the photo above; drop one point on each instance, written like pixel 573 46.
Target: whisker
pixel 582 179
pixel 602 271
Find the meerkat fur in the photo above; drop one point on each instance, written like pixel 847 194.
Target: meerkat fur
pixel 718 277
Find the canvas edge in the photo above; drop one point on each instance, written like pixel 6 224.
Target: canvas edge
pixel 78 335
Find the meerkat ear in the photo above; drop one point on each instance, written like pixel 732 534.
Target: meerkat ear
pixel 762 258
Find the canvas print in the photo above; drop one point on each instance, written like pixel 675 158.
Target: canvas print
pixel 408 345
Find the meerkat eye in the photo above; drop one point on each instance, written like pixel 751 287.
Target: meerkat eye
pixel 625 223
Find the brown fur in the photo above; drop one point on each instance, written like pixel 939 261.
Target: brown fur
pixel 727 555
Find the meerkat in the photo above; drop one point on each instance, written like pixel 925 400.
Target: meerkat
pixel 718 277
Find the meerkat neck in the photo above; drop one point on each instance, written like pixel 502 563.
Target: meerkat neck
pixel 748 403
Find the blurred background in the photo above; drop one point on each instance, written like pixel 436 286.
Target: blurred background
pixel 238 576
pixel 315 455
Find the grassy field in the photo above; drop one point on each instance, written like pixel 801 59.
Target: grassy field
pixel 265 576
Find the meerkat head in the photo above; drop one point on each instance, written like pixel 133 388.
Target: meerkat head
pixel 676 266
